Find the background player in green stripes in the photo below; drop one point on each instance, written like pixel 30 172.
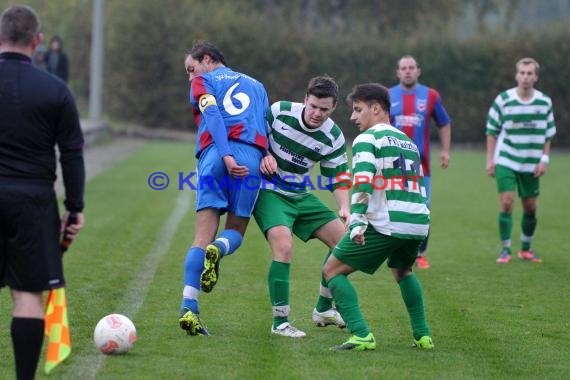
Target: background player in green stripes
pixel 302 135
pixel 386 222
pixel 520 126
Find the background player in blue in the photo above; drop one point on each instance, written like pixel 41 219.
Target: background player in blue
pixel 413 105
pixel 229 109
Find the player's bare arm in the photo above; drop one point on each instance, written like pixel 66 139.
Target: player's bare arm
pixel 541 167
pixel 445 140
pixel 342 199
pixel 491 142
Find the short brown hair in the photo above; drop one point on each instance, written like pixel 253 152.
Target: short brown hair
pixel 528 61
pixel 19 24
pixel 323 86
pixel 371 93
pixel 202 48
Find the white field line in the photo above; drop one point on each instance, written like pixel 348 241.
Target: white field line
pixel 88 364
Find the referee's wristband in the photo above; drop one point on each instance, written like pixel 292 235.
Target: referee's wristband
pixel 545 159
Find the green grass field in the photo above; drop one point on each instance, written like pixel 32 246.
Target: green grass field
pixel 488 321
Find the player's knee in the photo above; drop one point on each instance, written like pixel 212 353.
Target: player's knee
pixel 327 273
pixel 329 270
pixel 401 273
pixel 236 223
pixel 281 243
pixel 282 253
pixel 507 206
pixel 529 207
pixel 507 201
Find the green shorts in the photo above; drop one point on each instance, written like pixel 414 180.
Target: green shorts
pixel 367 258
pixel 507 179
pixel 303 214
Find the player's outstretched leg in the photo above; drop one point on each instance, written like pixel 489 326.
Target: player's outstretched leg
pixel 189 311
pixel 278 281
pixel 412 295
pixel 347 300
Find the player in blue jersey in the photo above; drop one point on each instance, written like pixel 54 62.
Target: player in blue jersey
pixel 229 109
pixel 413 105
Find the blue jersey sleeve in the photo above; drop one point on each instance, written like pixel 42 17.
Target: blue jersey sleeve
pixel 215 125
pixel 440 114
pixel 202 95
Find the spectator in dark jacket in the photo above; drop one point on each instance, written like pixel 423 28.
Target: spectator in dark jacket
pixel 39 58
pixel 56 59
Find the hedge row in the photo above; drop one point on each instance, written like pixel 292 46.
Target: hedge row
pixel 146 41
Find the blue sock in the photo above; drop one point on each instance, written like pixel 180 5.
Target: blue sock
pixel 193 267
pixel 228 241
pixel 190 304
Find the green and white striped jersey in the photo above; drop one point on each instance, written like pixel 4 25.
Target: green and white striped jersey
pixel 298 149
pixel 388 187
pixel 522 129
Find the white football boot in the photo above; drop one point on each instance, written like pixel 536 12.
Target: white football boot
pixel 285 329
pixel 328 318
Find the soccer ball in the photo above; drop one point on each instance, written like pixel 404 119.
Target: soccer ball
pixel 114 334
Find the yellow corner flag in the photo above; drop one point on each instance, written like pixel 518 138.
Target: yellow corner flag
pixel 57 329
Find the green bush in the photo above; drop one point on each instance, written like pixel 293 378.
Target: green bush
pixel 145 81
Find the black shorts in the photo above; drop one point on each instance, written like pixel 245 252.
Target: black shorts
pixel 30 254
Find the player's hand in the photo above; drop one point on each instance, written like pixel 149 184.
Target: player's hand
pixel 490 168
pixel 357 234
pixel 358 239
pixel 72 230
pixel 235 170
pixel 540 169
pixel 344 216
pixel 268 165
pixel 444 160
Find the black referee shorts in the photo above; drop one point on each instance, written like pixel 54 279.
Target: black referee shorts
pixel 30 255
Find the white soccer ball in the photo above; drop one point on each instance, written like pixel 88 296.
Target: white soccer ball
pixel 114 334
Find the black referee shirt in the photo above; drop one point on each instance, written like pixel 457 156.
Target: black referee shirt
pixel 37 112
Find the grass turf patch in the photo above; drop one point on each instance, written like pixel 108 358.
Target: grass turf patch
pixel 487 320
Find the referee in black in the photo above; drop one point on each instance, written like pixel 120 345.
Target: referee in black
pixel 37 112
